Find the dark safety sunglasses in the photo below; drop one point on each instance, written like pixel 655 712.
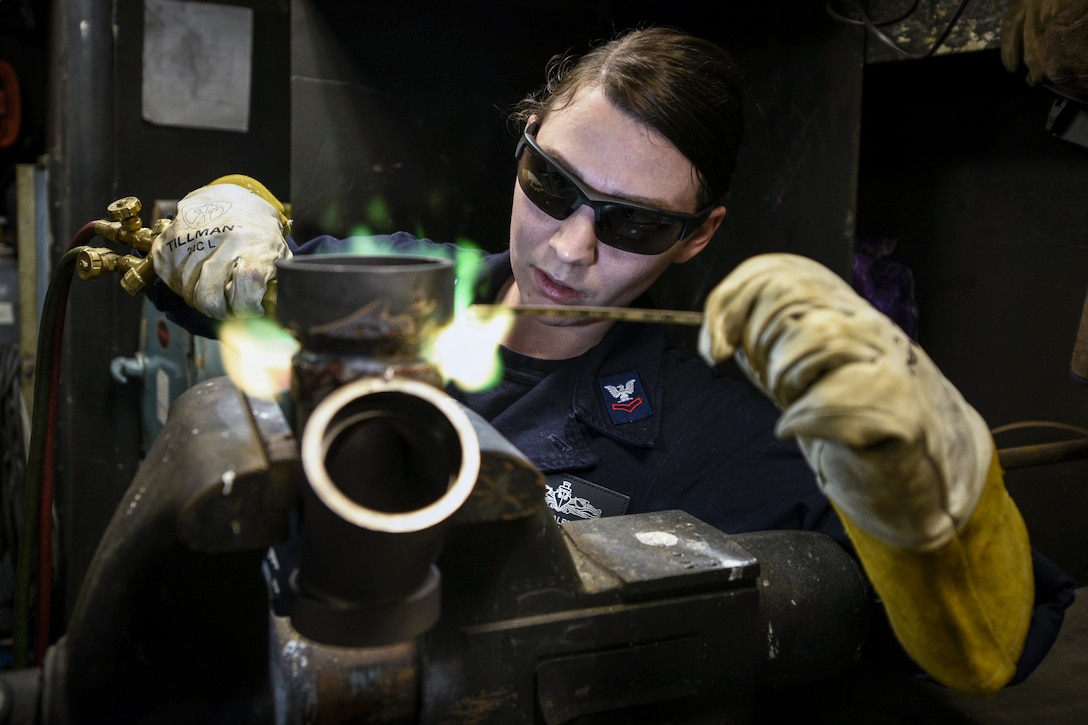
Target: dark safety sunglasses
pixel 619 223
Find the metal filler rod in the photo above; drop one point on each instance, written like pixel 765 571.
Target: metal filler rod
pixel 630 314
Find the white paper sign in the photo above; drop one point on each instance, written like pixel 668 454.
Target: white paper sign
pixel 198 64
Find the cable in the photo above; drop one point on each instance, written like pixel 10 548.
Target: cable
pixel 862 18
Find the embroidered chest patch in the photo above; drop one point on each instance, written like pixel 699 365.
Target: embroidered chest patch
pixel 624 399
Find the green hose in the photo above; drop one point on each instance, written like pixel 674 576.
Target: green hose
pixel 56 299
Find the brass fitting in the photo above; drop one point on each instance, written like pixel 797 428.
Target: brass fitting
pixel 91 262
pixel 139 275
pixel 124 226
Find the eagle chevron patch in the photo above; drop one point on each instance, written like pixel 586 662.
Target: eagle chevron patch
pixel 624 398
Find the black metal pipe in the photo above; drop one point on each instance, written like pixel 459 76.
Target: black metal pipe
pixel 389 463
pixel 360 316
pixel 1043 453
pixel 389 457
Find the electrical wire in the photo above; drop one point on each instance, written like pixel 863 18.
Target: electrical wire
pixel 860 17
pixel 37 525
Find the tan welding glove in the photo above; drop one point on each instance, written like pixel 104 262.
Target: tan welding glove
pixel 1022 32
pixel 893 443
pixel 1063 49
pixel 219 253
pixel 902 457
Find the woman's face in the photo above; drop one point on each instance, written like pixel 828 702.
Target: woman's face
pixel 562 262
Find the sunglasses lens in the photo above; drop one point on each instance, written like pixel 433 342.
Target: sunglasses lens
pixel 637 230
pixel 546 186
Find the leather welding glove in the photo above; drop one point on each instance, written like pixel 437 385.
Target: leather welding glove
pixel 910 467
pixel 219 252
pixel 1021 33
pixel 1063 49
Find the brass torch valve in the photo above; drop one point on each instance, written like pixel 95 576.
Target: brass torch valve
pixel 124 226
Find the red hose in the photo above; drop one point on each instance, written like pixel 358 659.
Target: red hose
pixel 11 114
pixel 45 506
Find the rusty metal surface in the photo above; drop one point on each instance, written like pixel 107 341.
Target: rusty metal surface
pixel 384 306
pixel 318 684
pixel 359 316
pixel 509 485
pixel 315 374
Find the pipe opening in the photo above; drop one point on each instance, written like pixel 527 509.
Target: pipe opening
pixel 390 455
pixel 396 454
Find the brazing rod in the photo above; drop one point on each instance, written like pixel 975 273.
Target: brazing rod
pixel 630 314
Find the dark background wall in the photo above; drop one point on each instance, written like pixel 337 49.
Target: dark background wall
pixel 390 114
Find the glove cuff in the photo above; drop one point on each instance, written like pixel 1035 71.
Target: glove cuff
pixel 251 184
pixel 961 611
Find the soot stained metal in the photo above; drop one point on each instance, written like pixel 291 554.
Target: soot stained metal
pixel 361 316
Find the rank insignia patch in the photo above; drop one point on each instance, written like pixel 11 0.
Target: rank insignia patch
pixel 624 399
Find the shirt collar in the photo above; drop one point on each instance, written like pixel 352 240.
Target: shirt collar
pixel 625 347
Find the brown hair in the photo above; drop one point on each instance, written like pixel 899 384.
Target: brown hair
pixel 686 88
